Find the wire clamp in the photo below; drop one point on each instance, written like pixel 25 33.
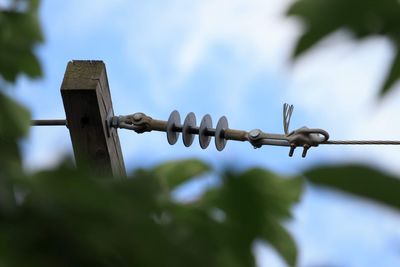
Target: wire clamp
pixel 138 122
pixel 306 138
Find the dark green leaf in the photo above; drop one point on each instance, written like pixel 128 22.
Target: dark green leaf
pixel 317 24
pixel 393 75
pixel 175 173
pixel 7 197
pixel 360 181
pixel 362 18
pixel 14 119
pixel 14 123
pixel 267 191
pixel 276 235
pixel 20 33
pixel 258 190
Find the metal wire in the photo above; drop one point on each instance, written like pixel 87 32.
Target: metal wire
pixel 48 122
pixel 303 137
pixel 287 115
pixel 361 142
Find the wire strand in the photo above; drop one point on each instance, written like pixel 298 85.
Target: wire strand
pixel 48 122
pixel 361 142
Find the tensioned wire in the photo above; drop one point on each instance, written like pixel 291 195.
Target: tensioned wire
pixel 361 142
pixel 329 142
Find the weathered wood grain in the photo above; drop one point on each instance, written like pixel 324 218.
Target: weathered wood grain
pixel 87 103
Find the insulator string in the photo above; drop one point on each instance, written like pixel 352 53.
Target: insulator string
pixel 303 137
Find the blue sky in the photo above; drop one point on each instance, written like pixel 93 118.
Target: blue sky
pixel 231 58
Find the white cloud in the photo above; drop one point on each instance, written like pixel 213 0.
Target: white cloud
pixel 185 36
pixel 78 18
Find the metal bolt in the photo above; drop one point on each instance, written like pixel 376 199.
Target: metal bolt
pixel 114 123
pixel 254 133
pixel 137 116
pixel 291 151
pixel 306 147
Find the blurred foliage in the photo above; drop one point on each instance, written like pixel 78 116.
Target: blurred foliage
pixel 20 32
pixel 253 204
pixel 359 180
pixel 363 18
pixel 16 41
pixel 178 172
pixel 67 217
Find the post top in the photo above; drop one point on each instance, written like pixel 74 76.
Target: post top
pixel 83 74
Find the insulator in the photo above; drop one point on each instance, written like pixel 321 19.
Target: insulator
pixel 174 121
pixel 189 123
pixel 204 139
pixel 220 140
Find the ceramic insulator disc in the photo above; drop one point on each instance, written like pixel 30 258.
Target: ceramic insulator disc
pixel 220 140
pixel 206 123
pixel 174 120
pixel 190 122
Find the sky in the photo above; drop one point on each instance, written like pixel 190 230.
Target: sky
pixel 232 58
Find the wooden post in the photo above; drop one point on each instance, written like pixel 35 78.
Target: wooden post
pixel 88 106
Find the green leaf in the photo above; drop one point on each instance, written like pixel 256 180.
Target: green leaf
pixel 256 189
pixel 393 75
pixel 269 192
pixel 20 33
pixel 7 196
pixel 362 18
pixel 14 124
pixel 174 173
pixel 14 119
pixel 34 5
pixel 254 204
pixel 360 181
pixel 276 235
pixel 317 24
